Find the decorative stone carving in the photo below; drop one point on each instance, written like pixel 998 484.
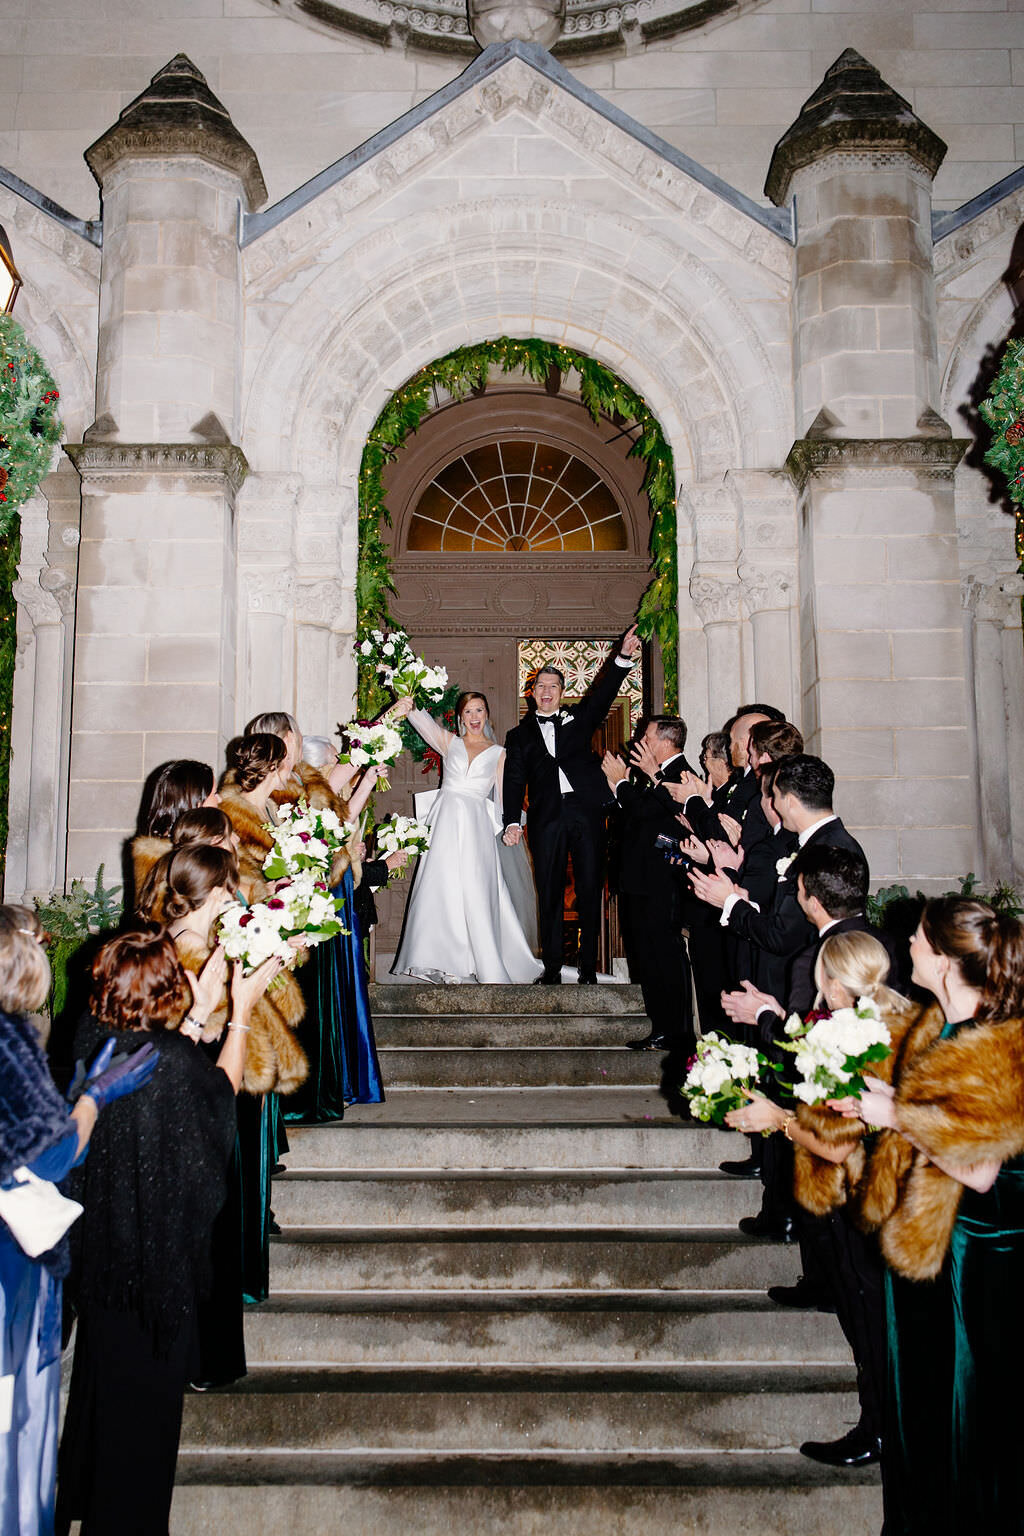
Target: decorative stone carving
pixel 269 591
pixel 997 601
pixel 765 590
pixel 499 21
pixel 322 602
pixel 105 462
pixel 178 115
pixel 852 109
pixel 931 456
pixel 716 599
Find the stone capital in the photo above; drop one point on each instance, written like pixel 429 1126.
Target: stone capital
pixel 997 601
pixel 765 589
pixel 110 463
pixel 716 598
pixel 934 456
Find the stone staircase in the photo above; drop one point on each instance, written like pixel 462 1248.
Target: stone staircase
pixel 515 1295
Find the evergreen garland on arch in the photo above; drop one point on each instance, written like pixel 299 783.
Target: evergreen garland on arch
pixel 29 428
pixel 1003 410
pixel 602 393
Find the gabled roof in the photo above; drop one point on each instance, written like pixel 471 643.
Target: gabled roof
pixel 489 63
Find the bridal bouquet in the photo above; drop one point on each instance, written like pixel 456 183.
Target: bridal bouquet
pixel 718 1075
pixel 402 832
pixel 401 670
pixel 301 907
pixel 831 1053
pixel 371 742
pixel 303 839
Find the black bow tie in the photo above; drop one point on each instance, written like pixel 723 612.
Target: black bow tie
pixel 544 718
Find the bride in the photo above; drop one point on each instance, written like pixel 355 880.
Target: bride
pixel 461 923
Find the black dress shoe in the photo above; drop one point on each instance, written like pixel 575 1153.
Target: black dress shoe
pixel 749 1168
pixel 803 1294
pixel 853 1450
pixel 587 979
pixel 778 1229
pixel 549 979
pixel 649 1043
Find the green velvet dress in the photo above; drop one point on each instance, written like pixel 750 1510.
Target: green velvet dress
pixel 953 1463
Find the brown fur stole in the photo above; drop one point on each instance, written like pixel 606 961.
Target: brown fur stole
pixel 274 1060
pixel 255 842
pixel 145 853
pixel 961 1100
pixel 821 1186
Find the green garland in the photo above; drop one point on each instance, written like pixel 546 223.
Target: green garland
pixel 460 372
pixel 29 428
pixel 1003 410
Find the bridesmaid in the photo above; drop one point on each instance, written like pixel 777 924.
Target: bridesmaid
pixel 338 1032
pixel 171 790
pixel 945 1191
pixel 258 765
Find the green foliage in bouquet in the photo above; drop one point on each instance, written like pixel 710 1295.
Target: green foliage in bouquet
pixel 69 922
pixel 604 395
pixel 444 713
pixel 29 428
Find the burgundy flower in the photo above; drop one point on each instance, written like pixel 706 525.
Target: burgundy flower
pixel 243 922
pixel 275 902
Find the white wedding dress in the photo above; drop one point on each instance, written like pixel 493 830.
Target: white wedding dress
pixel 461 923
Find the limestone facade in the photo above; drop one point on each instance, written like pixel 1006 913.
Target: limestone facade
pixel 194 556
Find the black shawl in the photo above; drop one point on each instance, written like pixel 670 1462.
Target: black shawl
pixel 155 1178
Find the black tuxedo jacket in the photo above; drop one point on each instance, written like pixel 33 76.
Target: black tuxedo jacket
pixel 530 766
pixel 782 929
pixel 648 810
pixel 736 797
pixel 801 988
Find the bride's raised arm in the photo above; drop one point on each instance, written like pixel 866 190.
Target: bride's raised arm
pixel 424 725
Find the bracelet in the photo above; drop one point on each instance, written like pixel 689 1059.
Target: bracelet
pixel 785 1127
pixel 188 1024
pixel 246 1027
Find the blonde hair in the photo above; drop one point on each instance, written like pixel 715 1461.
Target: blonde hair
pixel 24 968
pixel 860 963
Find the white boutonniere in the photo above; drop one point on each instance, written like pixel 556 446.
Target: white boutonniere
pixel 565 717
pixel 781 865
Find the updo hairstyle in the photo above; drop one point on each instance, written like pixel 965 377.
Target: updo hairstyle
pixel 988 948
pixel 207 825
pixel 24 968
pixel 138 981
pixel 860 963
pixel 190 875
pixel 254 758
pixel 273 722
pixel 173 789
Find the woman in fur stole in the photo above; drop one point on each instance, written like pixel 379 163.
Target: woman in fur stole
pixel 171 790
pixel 258 766
pixel 944 1189
pixel 337 1034
pixel 828 1160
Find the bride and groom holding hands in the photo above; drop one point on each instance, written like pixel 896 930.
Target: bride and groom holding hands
pixel 472 905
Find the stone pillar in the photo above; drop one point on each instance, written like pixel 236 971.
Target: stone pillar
pixel 995 667
pixel 155 660
pixel 768 595
pixel 717 600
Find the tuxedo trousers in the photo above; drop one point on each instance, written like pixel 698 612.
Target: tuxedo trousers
pixel 580 831
pixel 656 951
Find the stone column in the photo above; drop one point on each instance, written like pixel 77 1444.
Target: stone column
pixel 995 666
pixel 156 630
pixel 716 598
pixel 768 595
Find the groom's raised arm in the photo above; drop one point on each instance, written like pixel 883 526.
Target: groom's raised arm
pixel 600 696
pixel 513 790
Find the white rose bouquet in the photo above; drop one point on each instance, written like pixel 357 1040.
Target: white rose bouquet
pixel 301 907
pixel 718 1076
pixel 374 742
pixel 831 1053
pixel 303 839
pixel 402 832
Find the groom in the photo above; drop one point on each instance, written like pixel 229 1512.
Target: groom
pixel 549 755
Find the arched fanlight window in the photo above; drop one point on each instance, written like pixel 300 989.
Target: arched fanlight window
pixel 516 495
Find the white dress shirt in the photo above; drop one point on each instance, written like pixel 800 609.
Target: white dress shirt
pixel 547 731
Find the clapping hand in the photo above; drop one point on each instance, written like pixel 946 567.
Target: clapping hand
pixel 614 769
pixel 732 828
pixel 744 1006
pixel 690 784
pixel 724 855
pixel 714 889
pixel 694 849
pixel 246 991
pixel 641 756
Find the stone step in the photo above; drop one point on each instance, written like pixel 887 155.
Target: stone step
pixel 756 1409
pixel 499 1108
pixel 510 1001
pixel 533 1067
pixel 473 1031
pixel 555 1327
pixel 446 1199
pixel 353 1144
pixel 494 1258
pixel 780 1493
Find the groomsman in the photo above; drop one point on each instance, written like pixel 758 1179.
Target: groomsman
pixel 651 887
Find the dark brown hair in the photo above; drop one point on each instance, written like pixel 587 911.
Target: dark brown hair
pixel 776 738
pixel 254 757
pixel 206 825
pixel 192 873
pixel 138 982
pixel 988 947
pixel 171 790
